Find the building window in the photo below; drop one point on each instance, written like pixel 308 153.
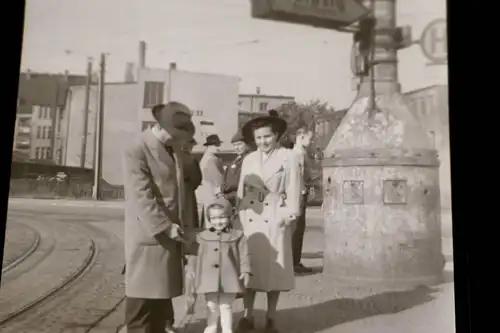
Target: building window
pixel 37 153
pixel 40 112
pixel 48 153
pixel 44 132
pixel 263 106
pixel 38 132
pixel 147 124
pixel 49 132
pixel 153 93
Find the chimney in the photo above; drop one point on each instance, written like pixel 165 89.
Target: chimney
pixel 66 74
pixel 142 54
pixel 129 72
pixel 28 73
pixel 173 66
pixel 257 90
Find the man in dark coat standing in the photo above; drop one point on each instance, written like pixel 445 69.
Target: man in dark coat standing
pixel 192 179
pixel 154 193
pixel 232 172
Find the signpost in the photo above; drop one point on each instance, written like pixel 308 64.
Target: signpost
pixel 330 14
pixel 433 42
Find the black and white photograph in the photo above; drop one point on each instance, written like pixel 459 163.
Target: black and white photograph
pixel 230 166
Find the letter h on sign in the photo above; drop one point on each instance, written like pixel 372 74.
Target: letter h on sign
pixel 438 42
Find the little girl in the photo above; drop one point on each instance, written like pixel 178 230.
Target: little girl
pixel 222 266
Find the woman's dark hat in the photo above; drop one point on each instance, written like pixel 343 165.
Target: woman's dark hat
pixel 212 140
pixel 278 123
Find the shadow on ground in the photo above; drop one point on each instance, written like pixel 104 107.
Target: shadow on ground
pixel 322 316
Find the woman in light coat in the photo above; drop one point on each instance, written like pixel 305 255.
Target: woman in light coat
pixel 268 201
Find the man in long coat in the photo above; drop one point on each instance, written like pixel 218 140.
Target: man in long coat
pixel 212 175
pixel 153 218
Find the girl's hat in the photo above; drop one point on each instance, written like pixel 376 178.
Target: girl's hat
pixel 224 203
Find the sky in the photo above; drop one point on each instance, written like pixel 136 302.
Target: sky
pixel 214 36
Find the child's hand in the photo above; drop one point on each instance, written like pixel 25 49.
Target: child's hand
pixel 246 279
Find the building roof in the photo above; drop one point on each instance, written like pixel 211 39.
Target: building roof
pixel 42 89
pixel 434 86
pixel 267 96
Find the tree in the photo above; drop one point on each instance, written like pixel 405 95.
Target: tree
pixel 299 115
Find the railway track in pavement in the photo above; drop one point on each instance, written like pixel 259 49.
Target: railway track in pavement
pixel 69 283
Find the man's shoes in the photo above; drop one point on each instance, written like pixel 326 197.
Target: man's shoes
pixel 170 329
pixel 301 269
pixel 244 325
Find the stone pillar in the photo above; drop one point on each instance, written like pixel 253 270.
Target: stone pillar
pixel 381 200
pixel 381 184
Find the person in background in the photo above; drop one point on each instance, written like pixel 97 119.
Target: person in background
pixel 302 143
pixel 154 195
pixel 222 264
pixel 192 180
pixel 268 202
pixel 285 141
pixel 232 172
pixel 212 175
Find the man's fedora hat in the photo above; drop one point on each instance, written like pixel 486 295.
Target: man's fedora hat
pixel 279 125
pixel 212 140
pixel 180 123
pixel 238 137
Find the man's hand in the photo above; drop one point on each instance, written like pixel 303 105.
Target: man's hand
pixel 245 277
pixel 177 234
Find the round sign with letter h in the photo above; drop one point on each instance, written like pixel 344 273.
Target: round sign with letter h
pixel 434 42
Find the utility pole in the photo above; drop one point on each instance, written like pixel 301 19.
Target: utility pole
pixel 96 191
pixel 86 113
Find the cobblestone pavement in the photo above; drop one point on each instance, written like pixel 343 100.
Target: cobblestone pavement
pixel 18 239
pixel 315 306
pixel 77 307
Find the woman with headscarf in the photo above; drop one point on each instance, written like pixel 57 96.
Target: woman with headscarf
pixel 268 201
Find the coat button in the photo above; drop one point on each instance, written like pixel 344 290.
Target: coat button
pixel 249 220
pixel 266 221
pixel 251 202
pixel 216 249
pixel 266 203
pixel 216 266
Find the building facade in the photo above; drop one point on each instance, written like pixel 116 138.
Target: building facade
pixel 429 106
pixel 325 127
pixel 262 103
pixel 38 128
pixel 213 100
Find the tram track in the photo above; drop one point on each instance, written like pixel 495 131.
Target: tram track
pixel 5 319
pixel 24 255
pixel 81 299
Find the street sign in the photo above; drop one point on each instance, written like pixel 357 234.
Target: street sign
pixel 433 42
pixel 330 14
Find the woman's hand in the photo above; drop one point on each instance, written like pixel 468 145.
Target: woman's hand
pixel 245 277
pixel 286 222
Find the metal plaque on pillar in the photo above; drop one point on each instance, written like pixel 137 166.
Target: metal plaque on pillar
pixel 352 192
pixel 330 14
pixel 395 191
